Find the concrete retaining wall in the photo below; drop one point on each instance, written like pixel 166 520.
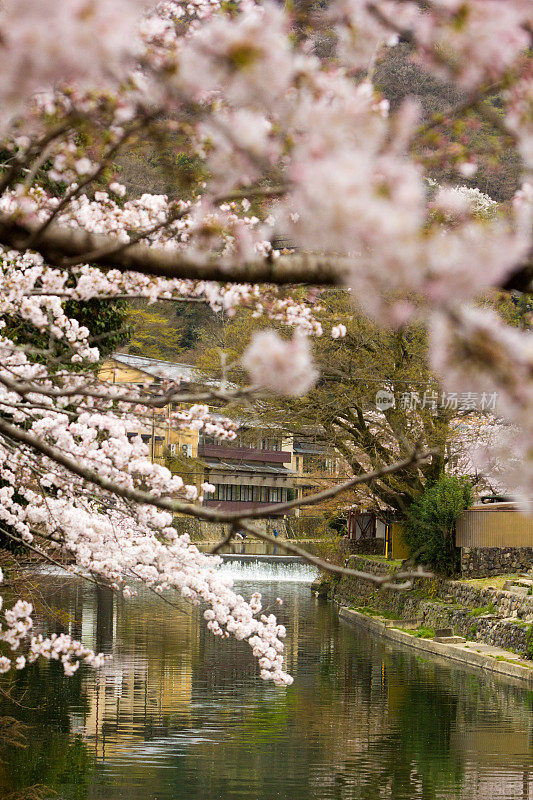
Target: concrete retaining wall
pixel 519 672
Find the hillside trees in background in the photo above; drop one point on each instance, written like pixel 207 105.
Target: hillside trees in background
pixel 168 330
pixel 455 136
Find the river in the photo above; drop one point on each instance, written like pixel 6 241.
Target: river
pixel 179 715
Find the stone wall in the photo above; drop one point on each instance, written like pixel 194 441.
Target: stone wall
pixel 480 561
pixel 374 547
pixel 486 615
pixel 510 634
pixel 504 604
pixel 201 529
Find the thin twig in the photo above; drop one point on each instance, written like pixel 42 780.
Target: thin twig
pixel 383 581
pixel 234 529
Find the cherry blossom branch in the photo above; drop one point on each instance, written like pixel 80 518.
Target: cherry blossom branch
pixel 38 232
pixel 23 388
pixel 178 507
pixel 103 255
pixel 319 269
pixel 42 554
pixel 382 581
pixel 21 160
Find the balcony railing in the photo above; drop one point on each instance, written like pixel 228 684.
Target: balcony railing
pixel 243 453
pixel 233 505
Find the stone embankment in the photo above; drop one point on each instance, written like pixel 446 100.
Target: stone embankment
pixel 490 659
pixel 486 615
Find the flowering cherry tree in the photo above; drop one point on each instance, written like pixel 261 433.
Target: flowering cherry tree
pixel 292 147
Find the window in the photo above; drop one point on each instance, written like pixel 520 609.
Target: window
pixel 222 492
pixel 270 444
pixel 250 494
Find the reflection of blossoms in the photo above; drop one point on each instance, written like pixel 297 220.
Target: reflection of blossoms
pixel 285 367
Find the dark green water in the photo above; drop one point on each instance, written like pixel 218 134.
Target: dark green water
pixel 178 715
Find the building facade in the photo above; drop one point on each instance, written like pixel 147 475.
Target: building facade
pixel 262 467
pixel 162 439
pixel 250 472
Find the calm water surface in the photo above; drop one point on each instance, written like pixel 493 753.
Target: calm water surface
pixel 178 715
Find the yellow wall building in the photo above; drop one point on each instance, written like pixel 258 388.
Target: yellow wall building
pixel 162 439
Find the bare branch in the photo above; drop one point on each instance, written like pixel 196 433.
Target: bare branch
pixel 382 581
pixel 60 242
pixel 226 540
pixel 177 506
pixel 310 500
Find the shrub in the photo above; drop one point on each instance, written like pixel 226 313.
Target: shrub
pixel 430 524
pixel 424 633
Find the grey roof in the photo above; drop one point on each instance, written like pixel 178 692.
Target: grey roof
pixel 158 369
pixel 310 447
pixel 168 370
pixel 230 467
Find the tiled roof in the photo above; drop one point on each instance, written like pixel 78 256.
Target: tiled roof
pixel 240 467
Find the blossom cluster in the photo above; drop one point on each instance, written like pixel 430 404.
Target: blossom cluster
pixel 16 632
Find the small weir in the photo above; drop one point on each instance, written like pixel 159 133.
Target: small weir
pixel 272 568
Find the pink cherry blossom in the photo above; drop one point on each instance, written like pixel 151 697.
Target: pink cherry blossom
pixel 285 367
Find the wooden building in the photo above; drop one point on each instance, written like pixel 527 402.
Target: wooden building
pixel 494 525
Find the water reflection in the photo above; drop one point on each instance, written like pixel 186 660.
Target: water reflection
pixel 177 714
